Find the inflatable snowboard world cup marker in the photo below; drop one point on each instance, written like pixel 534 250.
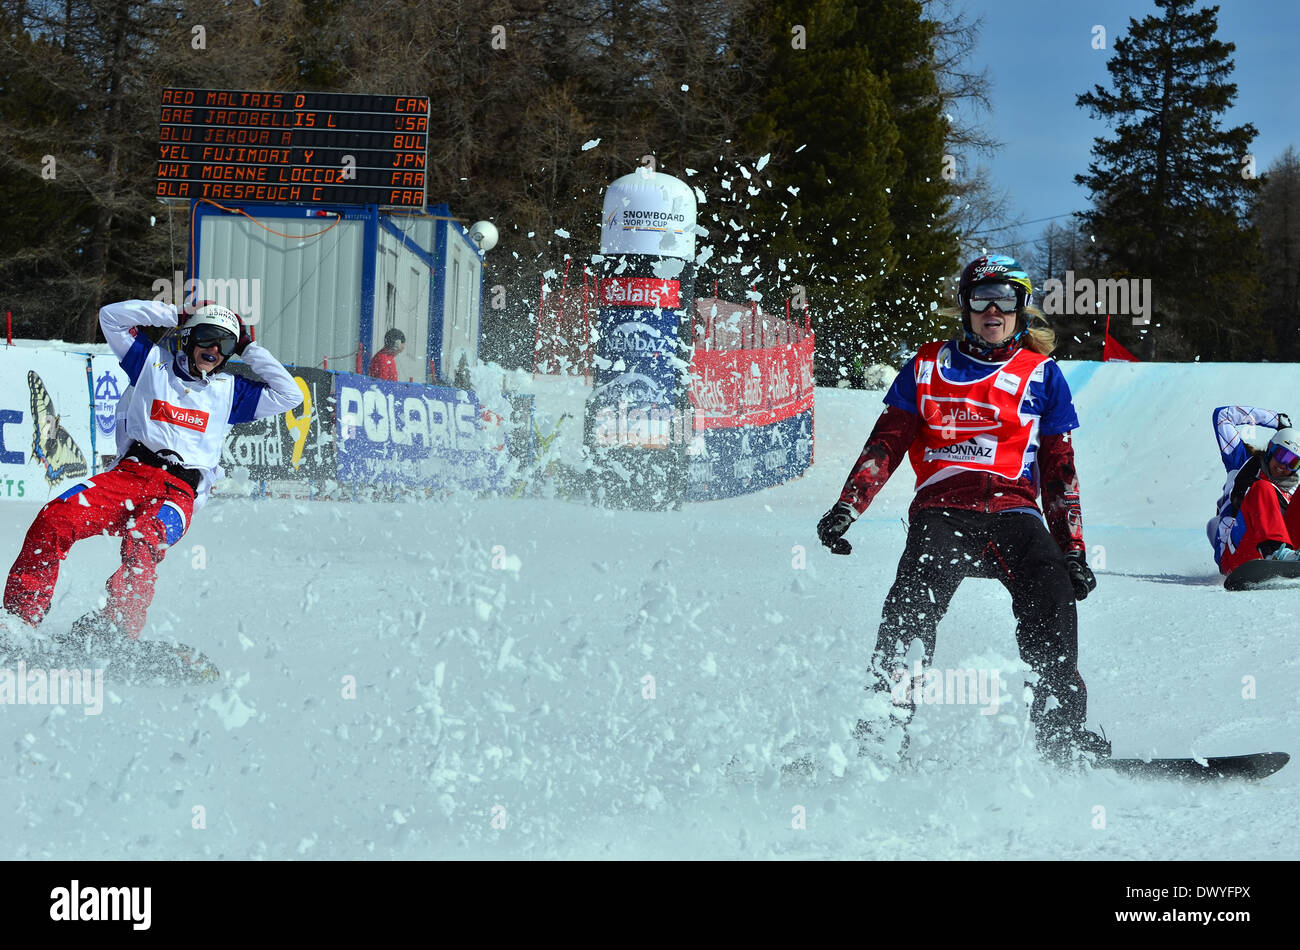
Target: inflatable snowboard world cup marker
pixel 639 423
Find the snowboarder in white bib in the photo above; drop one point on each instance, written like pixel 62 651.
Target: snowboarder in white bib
pixel 172 424
pixel 1256 517
pixel 986 421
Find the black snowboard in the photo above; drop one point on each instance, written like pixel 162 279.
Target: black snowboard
pixel 1256 765
pixel 129 663
pixel 1256 572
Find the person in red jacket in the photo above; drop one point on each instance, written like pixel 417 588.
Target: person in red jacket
pixel 384 363
pixel 986 422
pixel 1256 516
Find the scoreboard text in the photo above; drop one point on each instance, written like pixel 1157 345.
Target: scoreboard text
pixel 293 147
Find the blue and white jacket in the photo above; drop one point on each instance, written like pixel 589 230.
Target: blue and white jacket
pixel 167 409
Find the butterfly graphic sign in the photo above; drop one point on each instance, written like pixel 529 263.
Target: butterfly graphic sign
pixel 52 446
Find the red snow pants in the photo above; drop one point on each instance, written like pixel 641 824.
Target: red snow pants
pixel 1262 512
pixel 146 507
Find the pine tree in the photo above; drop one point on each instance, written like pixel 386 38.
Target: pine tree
pixel 1276 213
pixel 850 114
pixel 902 47
pixel 1170 188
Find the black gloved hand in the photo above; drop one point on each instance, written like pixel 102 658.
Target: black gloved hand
pixel 1081 576
pixel 830 530
pixel 245 337
pixel 1283 421
pixel 189 310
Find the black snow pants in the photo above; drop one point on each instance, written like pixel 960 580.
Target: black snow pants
pixel 946 545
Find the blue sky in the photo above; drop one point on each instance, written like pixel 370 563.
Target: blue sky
pixel 1048 139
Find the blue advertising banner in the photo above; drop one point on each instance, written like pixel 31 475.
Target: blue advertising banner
pixel 728 462
pixel 415 435
pixel 636 356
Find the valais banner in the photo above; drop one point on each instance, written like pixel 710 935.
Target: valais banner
pixel 732 388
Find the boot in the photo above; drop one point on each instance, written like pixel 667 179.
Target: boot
pixel 883 741
pixel 1064 745
pixel 94 634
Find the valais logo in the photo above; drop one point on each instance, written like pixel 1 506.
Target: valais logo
pixel 639 292
pixel 958 417
pixel 186 418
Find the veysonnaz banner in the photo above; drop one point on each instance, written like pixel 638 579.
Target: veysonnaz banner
pixel 980 450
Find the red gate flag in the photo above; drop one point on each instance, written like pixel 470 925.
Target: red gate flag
pixel 1112 350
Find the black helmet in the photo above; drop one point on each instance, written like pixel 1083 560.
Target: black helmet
pixel 994 269
pixel 393 337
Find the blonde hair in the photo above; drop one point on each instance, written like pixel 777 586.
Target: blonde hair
pixel 1041 336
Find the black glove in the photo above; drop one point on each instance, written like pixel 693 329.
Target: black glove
pixel 1283 421
pixel 1081 576
pixel 830 530
pixel 189 310
pixel 245 337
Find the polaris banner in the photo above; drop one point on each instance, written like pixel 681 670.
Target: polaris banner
pixel 415 435
pixel 736 461
pixel 294 444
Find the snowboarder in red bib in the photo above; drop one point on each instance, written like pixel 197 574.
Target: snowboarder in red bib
pixel 986 422
pixel 1255 517
pixel 173 421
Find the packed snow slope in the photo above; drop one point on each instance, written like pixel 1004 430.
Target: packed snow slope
pixel 538 678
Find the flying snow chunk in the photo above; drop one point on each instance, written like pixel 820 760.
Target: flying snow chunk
pixel 685 88
pixel 588 146
pixel 560 232
pixel 231 710
pixel 762 162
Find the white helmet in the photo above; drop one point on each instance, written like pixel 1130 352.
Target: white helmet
pixel 1284 448
pixel 210 323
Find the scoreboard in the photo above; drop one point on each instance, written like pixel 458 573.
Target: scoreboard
pixel 293 147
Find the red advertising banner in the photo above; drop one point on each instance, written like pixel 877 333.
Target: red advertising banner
pixel 643 292
pixel 731 388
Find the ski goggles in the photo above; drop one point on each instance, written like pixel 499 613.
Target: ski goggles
pixel 1006 296
pixel 1284 457
pixel 224 341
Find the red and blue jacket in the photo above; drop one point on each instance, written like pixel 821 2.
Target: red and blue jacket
pixel 982 436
